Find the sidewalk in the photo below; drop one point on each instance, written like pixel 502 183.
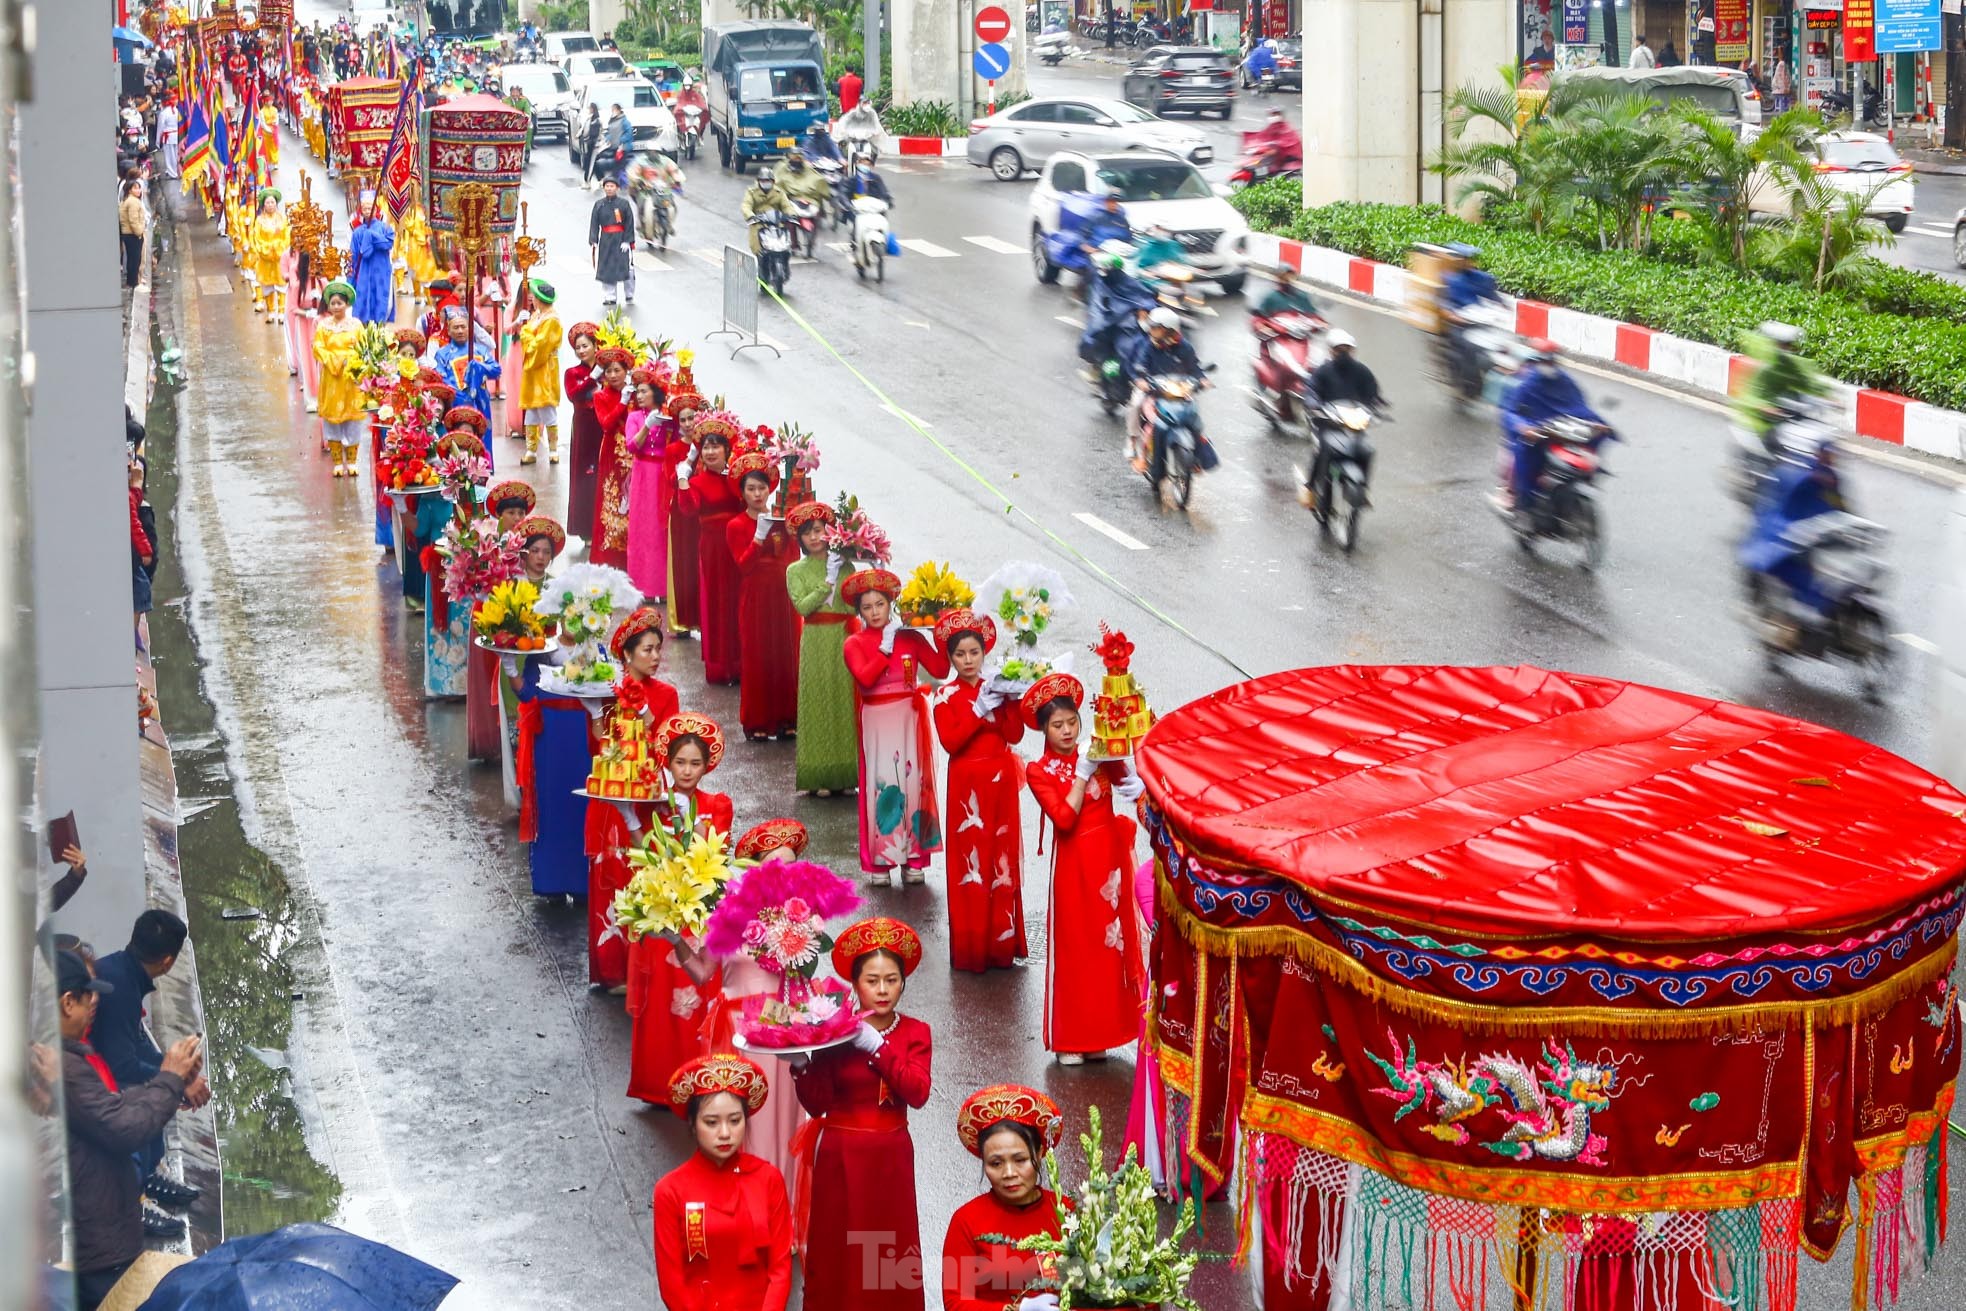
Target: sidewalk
pixel 1942 160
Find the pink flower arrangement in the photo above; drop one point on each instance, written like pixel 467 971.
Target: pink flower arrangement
pixel 825 1015
pixel 756 919
pixel 459 472
pixel 854 535
pixel 477 557
pixel 794 445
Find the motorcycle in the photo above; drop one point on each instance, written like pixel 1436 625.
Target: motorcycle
pixel 654 201
pixel 1260 164
pixel 1341 427
pixel 1563 505
pixel 1799 430
pixel 1052 47
pixel 1171 415
pixel 858 133
pixel 1287 353
pixel 869 240
pixel 689 126
pixel 774 249
pixel 1486 358
pixel 1842 552
pixel 806 218
pixel 835 175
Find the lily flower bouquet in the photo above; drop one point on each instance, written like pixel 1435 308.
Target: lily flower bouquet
pixel 1025 599
pixel 1109 1252
pixel 930 590
pixel 589 601
pixel 477 557
pixel 855 538
pixel 776 915
pixel 677 882
pixel 507 619
pixel 796 456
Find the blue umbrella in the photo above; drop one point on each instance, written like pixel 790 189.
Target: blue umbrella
pixel 303 1267
pixel 129 36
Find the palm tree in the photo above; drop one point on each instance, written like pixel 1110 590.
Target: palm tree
pixel 1727 174
pixel 1625 155
pixel 1502 145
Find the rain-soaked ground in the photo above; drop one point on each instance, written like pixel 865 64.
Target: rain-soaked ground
pixel 450 1084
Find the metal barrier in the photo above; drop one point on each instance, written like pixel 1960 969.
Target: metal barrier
pixel 741 302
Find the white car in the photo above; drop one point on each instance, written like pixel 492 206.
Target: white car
pixel 546 90
pixel 1857 163
pixel 652 121
pixel 1023 137
pixel 593 66
pixel 1157 190
pixel 558 46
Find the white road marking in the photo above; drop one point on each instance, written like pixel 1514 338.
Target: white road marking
pixel 713 255
pixel 214 284
pixel 1098 525
pixel 652 263
pixel 1917 643
pixel 1069 321
pixel 900 413
pixel 927 248
pixel 1932 231
pixel 996 245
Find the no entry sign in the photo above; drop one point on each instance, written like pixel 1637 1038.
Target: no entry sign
pixel 992 24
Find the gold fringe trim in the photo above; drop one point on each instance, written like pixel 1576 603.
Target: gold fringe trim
pixel 1531 1020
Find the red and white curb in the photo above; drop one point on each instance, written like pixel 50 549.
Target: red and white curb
pixel 931 146
pixel 1881 415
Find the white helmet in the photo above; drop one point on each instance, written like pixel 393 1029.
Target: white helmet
pixel 1782 334
pixel 1164 318
pixel 1339 339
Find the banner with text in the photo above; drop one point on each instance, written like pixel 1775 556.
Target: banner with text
pixel 1908 26
pixel 1859 32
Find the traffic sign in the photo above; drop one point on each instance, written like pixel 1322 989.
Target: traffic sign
pixel 992 61
pixel 992 24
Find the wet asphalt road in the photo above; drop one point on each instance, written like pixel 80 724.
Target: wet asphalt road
pixel 1926 242
pixel 463 1085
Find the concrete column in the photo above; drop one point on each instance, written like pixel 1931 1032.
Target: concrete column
pixel 80 574
pixel 603 16
pixel 1370 129
pixel 932 44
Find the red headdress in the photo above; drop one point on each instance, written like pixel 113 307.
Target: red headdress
pixel 770 836
pixel 962 619
pixel 615 355
pixel 1050 688
pixel 460 441
pixel 753 462
pixel 682 392
pixel 411 337
pixel 721 422
pixel 643 619
pixel 511 489
pixel 646 374
pixel 540 525
pixel 466 416
pixel 806 512
pixel 584 328
pixel 691 724
pixel 859 584
pixel 877 934
pixel 1007 1101
pixel 726 1072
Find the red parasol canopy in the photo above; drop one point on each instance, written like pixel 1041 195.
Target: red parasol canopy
pixel 1518 800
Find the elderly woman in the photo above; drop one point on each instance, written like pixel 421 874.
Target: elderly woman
pixel 768 662
pixel 1008 1128
pixel 467 365
pixel 723 1227
pixel 857 1217
pixel 829 731
pixel 344 423
pixel 978 728
pixel 898 824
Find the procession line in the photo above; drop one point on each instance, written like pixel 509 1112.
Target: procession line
pixel 1009 506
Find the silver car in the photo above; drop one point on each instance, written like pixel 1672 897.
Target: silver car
pixel 1017 140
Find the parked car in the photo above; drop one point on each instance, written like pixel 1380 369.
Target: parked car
pixel 1726 93
pixel 1158 189
pixel 654 124
pixel 1198 78
pixel 559 45
pixel 1023 137
pixel 546 89
pixel 1857 163
pixel 594 65
pixel 1959 238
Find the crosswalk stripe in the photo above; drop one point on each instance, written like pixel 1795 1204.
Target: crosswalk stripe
pixel 1069 321
pixel 1931 231
pixel 842 246
pixel 708 254
pixel 927 248
pixel 996 244
pixel 652 264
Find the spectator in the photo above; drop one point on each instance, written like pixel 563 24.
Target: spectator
pixel 132 220
pixel 143 551
pixel 850 87
pixel 167 127
pixel 1642 54
pixel 1668 55
pixel 106 1123
pixel 120 1038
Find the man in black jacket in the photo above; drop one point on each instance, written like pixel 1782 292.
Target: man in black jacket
pixel 107 1123
pixel 120 1038
pixel 1341 380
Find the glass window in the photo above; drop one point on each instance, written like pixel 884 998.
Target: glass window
pixel 1159 180
pixel 602 65
pixel 776 84
pixel 1858 154
pixel 1124 112
pixel 1039 113
pixel 1078 116
pixel 1068 176
pixel 1199 60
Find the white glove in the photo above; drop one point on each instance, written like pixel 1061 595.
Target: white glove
pixel 1039 1302
pixel 1129 789
pixel 798 1060
pixel 628 245
pixel 987 703
pixel 834 568
pixel 1087 768
pixel 764 529
pixel 888 635
pixel 866 1038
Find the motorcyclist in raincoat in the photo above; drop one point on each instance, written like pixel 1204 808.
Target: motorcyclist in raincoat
pixel 1114 308
pixel 1784 375
pixel 1801 492
pixel 1545 392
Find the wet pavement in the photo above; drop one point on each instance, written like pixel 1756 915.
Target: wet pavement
pixel 454 1078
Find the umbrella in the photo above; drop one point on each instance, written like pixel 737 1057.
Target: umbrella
pixel 129 36
pixel 303 1267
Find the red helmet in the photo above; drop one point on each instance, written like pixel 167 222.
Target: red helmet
pixel 1542 348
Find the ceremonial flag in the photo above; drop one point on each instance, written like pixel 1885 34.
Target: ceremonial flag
pixel 221 142
pixel 398 188
pixel 248 150
pixel 197 144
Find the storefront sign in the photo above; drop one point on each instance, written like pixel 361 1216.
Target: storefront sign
pixel 1905 26
pixel 1822 20
pixel 1730 37
pixel 1859 32
pixel 1576 22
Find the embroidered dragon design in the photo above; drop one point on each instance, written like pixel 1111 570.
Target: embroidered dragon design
pixel 1546 1111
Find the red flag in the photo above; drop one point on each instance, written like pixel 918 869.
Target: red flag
pixel 399 163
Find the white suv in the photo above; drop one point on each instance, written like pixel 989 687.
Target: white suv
pixel 1156 189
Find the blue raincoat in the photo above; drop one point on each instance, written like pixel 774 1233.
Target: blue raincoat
pixel 1533 401
pixel 1082 222
pixel 1801 492
pixel 1110 314
pixel 375 297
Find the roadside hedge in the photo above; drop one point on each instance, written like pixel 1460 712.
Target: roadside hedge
pixel 1900 334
